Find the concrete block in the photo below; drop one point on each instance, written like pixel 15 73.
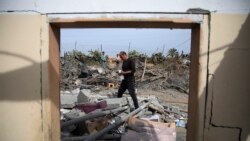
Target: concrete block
pixel 74 113
pixel 116 101
pixel 86 95
pixel 154 100
pixel 68 99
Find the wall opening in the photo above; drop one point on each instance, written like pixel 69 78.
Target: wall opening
pixel 194 72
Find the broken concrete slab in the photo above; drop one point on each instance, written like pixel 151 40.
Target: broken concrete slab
pixel 68 98
pixel 116 101
pixel 86 95
pixel 156 118
pixel 73 114
pixel 153 99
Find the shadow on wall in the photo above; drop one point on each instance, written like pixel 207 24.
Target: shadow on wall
pixel 228 95
pixel 24 84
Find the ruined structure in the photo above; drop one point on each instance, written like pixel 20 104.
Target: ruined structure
pixel 29 59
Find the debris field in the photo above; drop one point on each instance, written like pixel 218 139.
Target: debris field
pixel 90 109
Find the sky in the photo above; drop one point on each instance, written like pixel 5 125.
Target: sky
pixel 114 40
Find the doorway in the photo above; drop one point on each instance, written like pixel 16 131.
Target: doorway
pixel 194 99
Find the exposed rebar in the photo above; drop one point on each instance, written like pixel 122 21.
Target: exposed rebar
pixel 116 124
pixel 92 115
pixel 104 137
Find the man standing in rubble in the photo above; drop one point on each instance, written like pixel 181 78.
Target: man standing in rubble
pixel 128 70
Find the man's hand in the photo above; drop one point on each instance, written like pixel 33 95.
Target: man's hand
pixel 124 72
pixel 120 72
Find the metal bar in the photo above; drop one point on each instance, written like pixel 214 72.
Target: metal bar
pixel 139 114
pixel 120 121
pixel 91 115
pixel 104 137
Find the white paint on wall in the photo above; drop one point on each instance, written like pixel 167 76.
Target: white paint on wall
pixel 82 6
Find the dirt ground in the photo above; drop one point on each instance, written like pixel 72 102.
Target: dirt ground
pixel 170 96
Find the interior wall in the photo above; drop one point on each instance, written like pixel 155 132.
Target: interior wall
pixel 227 113
pixel 20 78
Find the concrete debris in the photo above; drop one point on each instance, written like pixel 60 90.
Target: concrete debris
pixel 117 101
pixel 86 95
pixel 77 74
pixel 78 82
pixel 155 117
pixel 91 110
pixel 68 99
pixel 73 114
pixel 96 120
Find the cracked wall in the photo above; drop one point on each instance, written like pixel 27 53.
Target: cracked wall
pixel 229 78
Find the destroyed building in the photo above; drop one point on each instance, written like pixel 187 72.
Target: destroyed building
pixel 218 108
pixel 90 109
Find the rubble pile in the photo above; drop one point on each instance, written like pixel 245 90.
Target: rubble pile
pixel 90 109
pixel 70 71
pixel 76 74
pixel 160 79
pixel 90 117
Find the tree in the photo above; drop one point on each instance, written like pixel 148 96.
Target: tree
pixel 96 55
pixel 133 54
pixel 173 53
pixel 78 53
pixel 157 58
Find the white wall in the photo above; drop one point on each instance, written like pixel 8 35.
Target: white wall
pixel 78 6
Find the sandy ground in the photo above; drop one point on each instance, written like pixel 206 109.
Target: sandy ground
pixel 170 96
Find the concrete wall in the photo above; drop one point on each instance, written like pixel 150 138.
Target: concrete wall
pixel 229 78
pixel 20 78
pixel 29 86
pixel 28 107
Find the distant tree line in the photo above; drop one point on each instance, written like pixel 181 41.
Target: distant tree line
pixel 159 57
pixel 156 58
